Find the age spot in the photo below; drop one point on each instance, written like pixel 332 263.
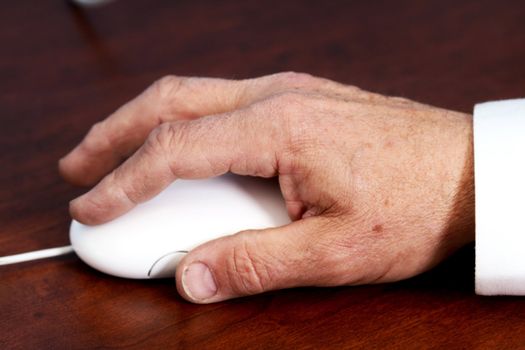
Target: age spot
pixel 377 228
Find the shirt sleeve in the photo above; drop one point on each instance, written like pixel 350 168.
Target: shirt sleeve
pixel 499 171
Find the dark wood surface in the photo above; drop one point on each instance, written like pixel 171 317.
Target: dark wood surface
pixel 62 69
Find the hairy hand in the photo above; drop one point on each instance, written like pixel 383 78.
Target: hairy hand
pixel 379 188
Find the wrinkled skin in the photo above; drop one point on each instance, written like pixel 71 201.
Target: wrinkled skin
pixel 379 188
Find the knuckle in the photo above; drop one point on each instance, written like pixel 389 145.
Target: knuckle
pixel 167 86
pixel 96 128
pixel 364 95
pixel 296 79
pixel 96 138
pixel 170 141
pixel 162 139
pixel 248 274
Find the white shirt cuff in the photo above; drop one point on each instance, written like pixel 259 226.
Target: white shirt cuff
pixel 499 170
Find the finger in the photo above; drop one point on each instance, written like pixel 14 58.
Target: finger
pixel 109 142
pixel 253 262
pixel 238 142
pixel 171 98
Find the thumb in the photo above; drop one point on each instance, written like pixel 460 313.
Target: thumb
pixel 249 262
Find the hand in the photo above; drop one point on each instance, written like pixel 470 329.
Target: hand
pixel 379 188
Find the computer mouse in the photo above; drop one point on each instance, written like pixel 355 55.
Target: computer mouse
pixel 150 240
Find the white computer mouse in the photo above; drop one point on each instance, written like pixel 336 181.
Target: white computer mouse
pixel 149 240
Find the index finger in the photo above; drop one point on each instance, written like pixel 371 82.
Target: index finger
pixel 238 142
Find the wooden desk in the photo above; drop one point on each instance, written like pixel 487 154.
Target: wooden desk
pixel 63 70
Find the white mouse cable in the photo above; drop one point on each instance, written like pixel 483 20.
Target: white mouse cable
pixel 35 255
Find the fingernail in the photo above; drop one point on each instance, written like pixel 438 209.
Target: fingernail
pixel 198 282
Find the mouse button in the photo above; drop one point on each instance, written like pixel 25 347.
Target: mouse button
pixel 165 266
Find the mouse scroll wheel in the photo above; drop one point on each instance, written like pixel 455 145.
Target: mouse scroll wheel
pixel 165 266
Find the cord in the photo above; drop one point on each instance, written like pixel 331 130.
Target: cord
pixel 35 255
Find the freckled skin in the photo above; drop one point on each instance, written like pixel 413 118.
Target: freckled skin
pixel 377 228
pixel 380 188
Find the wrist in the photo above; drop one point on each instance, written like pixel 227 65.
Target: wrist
pixel 461 225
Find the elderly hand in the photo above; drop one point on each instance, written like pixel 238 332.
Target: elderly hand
pixel 379 188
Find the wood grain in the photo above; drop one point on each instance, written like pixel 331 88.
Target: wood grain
pixel 63 69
